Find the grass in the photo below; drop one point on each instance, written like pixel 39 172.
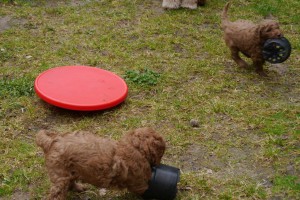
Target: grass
pixel 144 77
pixel 16 87
pixel 178 69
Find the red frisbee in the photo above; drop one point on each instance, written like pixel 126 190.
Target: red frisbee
pixel 81 88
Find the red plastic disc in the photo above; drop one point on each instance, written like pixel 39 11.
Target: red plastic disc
pixel 81 88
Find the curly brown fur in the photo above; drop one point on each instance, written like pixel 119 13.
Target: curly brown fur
pixel 174 4
pixel 248 38
pixel 102 162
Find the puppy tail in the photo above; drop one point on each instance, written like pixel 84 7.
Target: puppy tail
pixel 224 14
pixel 44 140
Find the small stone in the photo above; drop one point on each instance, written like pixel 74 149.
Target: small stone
pixel 102 192
pixel 194 123
pixel 209 171
pixel 290 170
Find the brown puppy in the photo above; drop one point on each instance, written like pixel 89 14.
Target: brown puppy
pixel 248 38
pixel 102 162
pixel 174 4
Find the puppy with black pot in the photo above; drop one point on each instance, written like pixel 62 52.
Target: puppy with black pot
pixel 276 50
pixel 163 183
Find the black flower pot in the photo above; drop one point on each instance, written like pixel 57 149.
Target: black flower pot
pixel 163 184
pixel 276 50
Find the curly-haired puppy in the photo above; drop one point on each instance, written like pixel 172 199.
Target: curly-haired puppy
pixel 248 38
pixel 174 4
pixel 102 162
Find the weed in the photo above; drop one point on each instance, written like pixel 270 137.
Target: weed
pixel 289 184
pixel 144 77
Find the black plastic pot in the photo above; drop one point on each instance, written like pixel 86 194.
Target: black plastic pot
pixel 277 50
pixel 163 184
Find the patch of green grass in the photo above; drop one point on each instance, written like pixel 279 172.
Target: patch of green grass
pixel 287 185
pixel 277 9
pixel 5 54
pixel 16 87
pixel 145 77
pixel 278 124
pixel 246 190
pixel 20 168
pixel 192 181
pixel 266 8
pixel 6 1
pixel 18 177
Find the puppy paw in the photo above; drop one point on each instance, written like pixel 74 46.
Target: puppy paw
pixel 191 4
pixel 193 7
pixel 244 65
pixel 171 4
pixel 262 73
pixel 77 187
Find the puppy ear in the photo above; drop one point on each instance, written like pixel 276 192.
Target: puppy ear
pixel 132 139
pixel 156 148
pixel 268 29
pixel 262 31
pixel 135 142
